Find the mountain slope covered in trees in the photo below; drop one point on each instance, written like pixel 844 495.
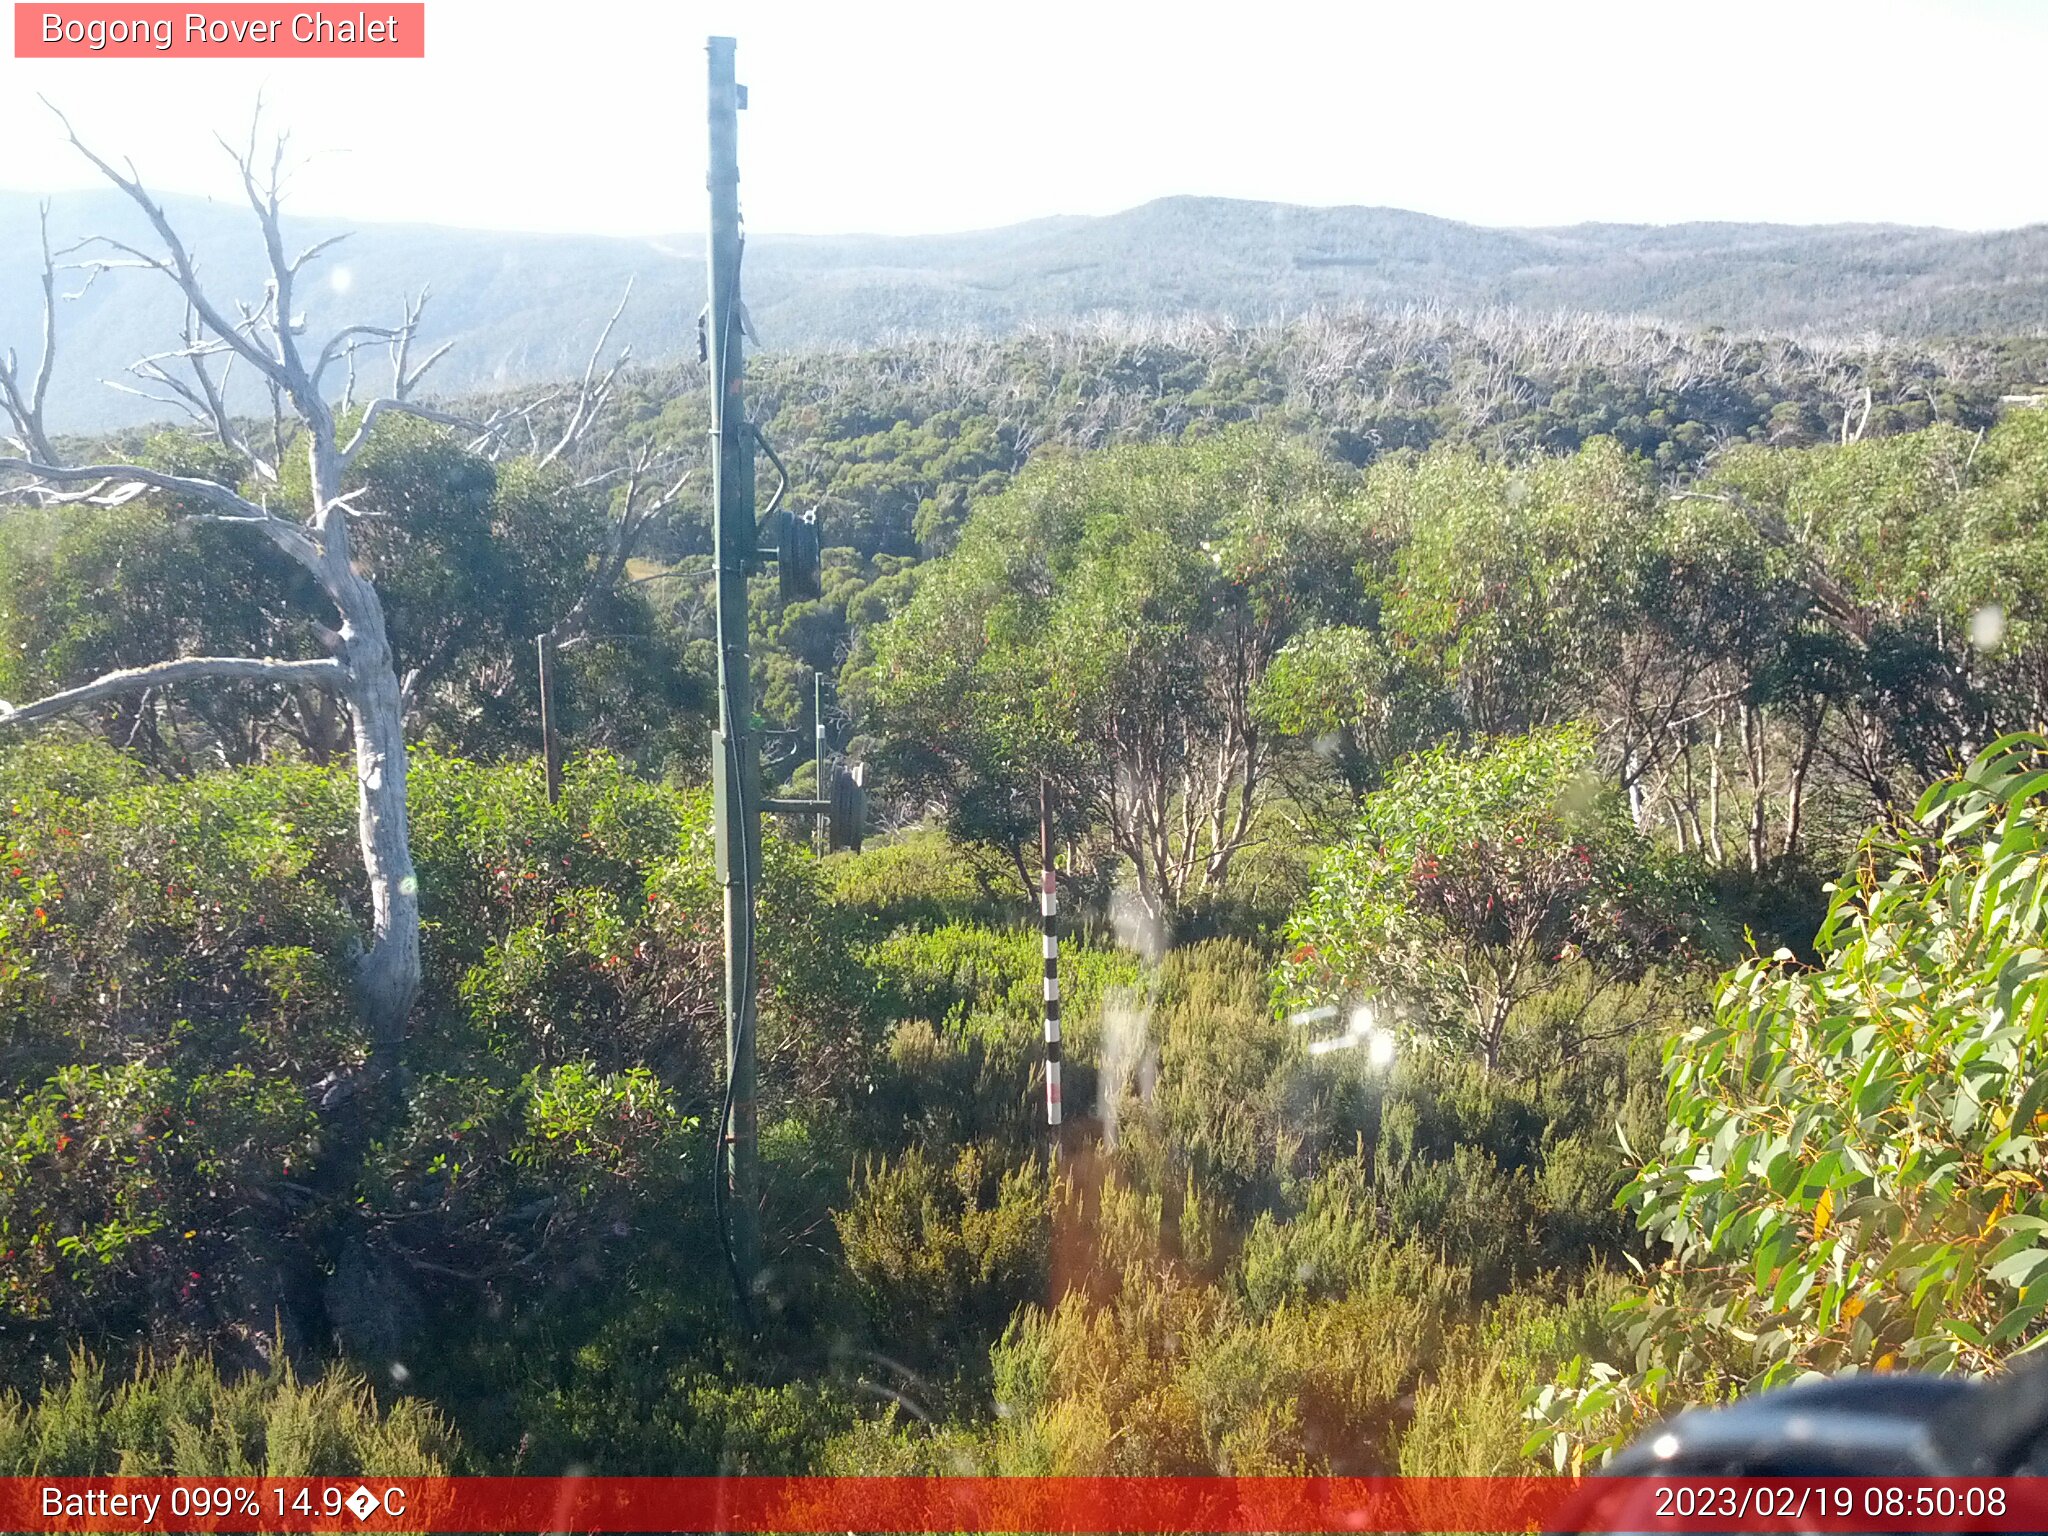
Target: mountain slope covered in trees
pixel 523 306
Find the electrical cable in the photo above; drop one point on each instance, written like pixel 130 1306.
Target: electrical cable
pixel 782 485
pixel 725 1145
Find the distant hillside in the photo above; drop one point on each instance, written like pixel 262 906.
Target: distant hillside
pixel 525 307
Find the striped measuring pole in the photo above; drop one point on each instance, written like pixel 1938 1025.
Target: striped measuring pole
pixel 1048 916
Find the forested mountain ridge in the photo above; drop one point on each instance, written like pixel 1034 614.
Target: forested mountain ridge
pixel 522 307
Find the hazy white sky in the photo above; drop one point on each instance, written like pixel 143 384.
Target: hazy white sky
pixel 587 115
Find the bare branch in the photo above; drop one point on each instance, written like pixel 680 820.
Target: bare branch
pixel 623 538
pixel 204 400
pixel 156 479
pixel 138 261
pixel 26 410
pixel 197 350
pixel 315 249
pixel 592 481
pixel 344 342
pixel 178 263
pixel 348 384
pixel 401 343
pixel 92 275
pixel 264 200
pixel 484 430
pixel 129 480
pixel 404 378
pixel 327 673
pixel 595 391
pixel 411 379
pixel 175 400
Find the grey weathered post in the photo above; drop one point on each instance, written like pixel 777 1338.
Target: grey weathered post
pixel 820 835
pixel 550 733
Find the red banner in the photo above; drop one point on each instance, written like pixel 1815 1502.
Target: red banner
pixel 380 30
pixel 1140 1505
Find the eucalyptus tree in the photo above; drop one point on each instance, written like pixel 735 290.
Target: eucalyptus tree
pixel 1106 624
pixel 1519 583
pixel 1851 1174
pixel 312 524
pixel 1475 881
pixel 1912 568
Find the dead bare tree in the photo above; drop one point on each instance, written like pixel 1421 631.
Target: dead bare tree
pixel 643 498
pixel 651 486
pixel 359 668
pixel 25 408
pixel 646 485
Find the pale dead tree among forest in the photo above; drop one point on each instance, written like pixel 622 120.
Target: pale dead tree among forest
pixel 562 427
pixel 648 483
pixel 359 668
pixel 651 486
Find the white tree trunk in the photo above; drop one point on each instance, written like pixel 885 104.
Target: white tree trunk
pixel 389 979
pixel 361 668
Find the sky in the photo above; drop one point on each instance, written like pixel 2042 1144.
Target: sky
pixel 897 117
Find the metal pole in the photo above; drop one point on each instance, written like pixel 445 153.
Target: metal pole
pixel 736 753
pixel 550 740
pixel 1048 917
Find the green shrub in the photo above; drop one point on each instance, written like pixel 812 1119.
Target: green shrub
pixel 1168 1376
pixel 925 879
pixel 942 1256
pixel 1473 881
pixel 966 969
pixel 123 1190
pixel 1467 1206
pixel 182 1418
pixel 1337 1246
pixel 1471 1417
pixel 174 989
pixel 1226 1061
pixel 900 1444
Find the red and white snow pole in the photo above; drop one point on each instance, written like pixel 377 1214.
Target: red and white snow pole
pixel 1048 915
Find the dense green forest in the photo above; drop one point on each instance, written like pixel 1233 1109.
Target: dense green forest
pixel 1554 913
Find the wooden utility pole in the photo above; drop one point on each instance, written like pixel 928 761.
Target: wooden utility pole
pixel 550 733
pixel 738 550
pixel 735 774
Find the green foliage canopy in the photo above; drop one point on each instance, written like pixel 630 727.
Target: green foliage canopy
pixel 1851 1178
pixel 1104 623
pixel 1472 879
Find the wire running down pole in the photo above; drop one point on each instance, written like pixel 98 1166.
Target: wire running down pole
pixel 1048 919
pixel 736 791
